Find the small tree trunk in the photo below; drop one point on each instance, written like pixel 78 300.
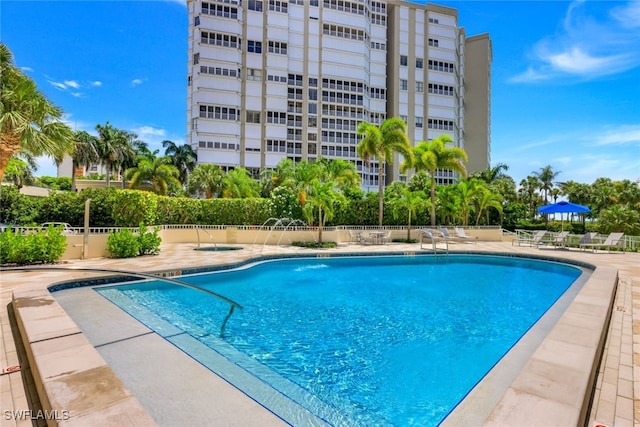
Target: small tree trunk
pixel 9 145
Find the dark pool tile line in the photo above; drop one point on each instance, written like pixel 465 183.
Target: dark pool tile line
pixel 93 282
pixel 213 268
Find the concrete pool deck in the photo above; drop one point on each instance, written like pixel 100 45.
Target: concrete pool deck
pixel 616 398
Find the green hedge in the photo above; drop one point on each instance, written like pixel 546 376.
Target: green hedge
pixel 128 208
pixel 44 246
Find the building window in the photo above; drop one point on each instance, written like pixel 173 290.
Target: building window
pixel 255 5
pixel 278 6
pixel 433 42
pixel 254 74
pixel 196 58
pixel 441 89
pixel 254 46
pixel 196 21
pixel 253 116
pixel 313 82
pixel 313 108
pixel 224 40
pixel 403 60
pixel 419 63
pixel 434 20
pixel 278 47
pixel 418 122
pixel 276 117
pixel 404 118
pixel 404 84
pixel 419 87
pixel 220 10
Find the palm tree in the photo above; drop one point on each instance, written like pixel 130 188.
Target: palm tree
pixel 160 173
pixel 321 200
pixel 239 184
pixel 527 191
pixel 28 121
pixel 486 199
pixel 84 154
pixel 410 202
pixel 467 191
pixel 433 155
pixel 206 178
pixel 305 174
pixel 182 157
pixel 546 177
pixel 342 172
pixel 381 143
pixel 113 147
pixel 282 175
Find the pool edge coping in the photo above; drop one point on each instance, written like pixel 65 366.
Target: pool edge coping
pixel 610 274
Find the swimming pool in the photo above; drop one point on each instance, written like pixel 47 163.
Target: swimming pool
pixel 369 340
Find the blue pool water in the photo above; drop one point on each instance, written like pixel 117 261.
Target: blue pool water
pixel 379 340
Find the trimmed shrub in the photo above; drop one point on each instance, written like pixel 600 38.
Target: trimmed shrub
pixel 149 241
pixel 123 244
pixel 132 207
pixel 45 246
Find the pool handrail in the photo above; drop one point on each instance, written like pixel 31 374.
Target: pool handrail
pixel 229 301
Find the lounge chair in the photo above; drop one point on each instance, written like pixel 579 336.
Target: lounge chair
pixel 556 239
pixel 530 240
pixel 464 236
pixel 584 239
pixel 445 233
pixel 613 240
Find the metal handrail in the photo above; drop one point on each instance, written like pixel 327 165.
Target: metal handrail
pixel 229 301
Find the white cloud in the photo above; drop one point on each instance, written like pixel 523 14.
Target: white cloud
pixel 589 45
pixel 622 135
pixel 628 16
pixel 72 83
pixel 77 94
pixel 58 85
pixel 96 83
pixel 26 69
pixel 136 82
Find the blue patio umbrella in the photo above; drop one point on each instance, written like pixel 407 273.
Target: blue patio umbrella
pixel 562 208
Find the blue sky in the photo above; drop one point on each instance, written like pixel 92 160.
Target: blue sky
pixel 565 76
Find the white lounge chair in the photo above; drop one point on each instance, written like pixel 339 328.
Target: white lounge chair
pixel 464 236
pixel 528 239
pixel 558 239
pixel 613 240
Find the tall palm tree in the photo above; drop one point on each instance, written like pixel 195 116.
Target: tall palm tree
pixel 84 153
pixel 182 157
pixel 546 175
pixel 160 173
pixel 527 191
pixel 381 143
pixel 113 146
pixel 206 178
pixel 433 155
pixel 29 122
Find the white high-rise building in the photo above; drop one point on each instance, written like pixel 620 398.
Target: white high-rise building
pixel 274 79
